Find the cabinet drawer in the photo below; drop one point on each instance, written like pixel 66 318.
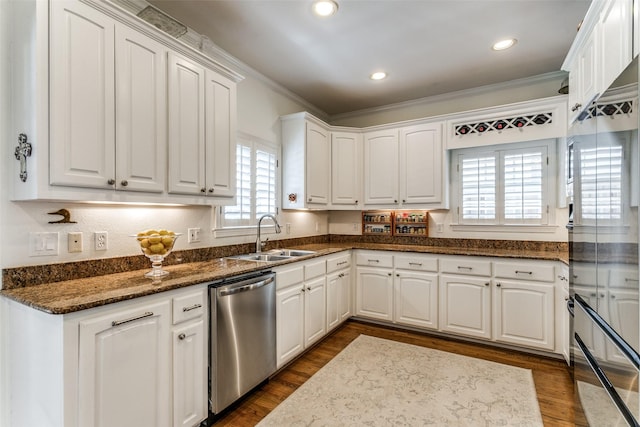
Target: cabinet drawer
pixel 415 262
pixel 466 266
pixel 188 306
pixel 623 276
pixel 315 269
pixel 289 276
pixel 338 262
pixel 540 272
pixel 374 260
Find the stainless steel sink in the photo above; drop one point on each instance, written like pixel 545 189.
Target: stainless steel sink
pixel 291 252
pixel 262 257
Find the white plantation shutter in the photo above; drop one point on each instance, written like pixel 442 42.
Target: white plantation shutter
pixel 478 187
pixel 265 183
pixel 256 171
pixel 601 183
pixel 523 180
pixel 503 186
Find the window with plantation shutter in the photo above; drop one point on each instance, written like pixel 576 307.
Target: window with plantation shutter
pixel 599 191
pixel 256 172
pixel 505 185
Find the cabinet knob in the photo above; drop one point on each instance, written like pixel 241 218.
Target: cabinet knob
pixel 111 182
pixel 310 199
pixel 397 275
pixel 395 201
pixel 389 274
pixel 124 182
pixel 356 202
pixel 203 190
pixel 182 336
pixel 498 284
pixel 576 107
pixel 211 190
pixel 404 201
pixel 487 284
pixel 308 288
pixel 302 289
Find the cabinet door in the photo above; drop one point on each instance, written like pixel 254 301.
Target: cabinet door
pixel 583 77
pixel 374 293
pixel 615 40
pixel 465 305
pixel 318 162
pixel 186 126
pixel 623 317
pixel 416 299
pixel 220 133
pixel 344 299
pixel 346 158
pixel 189 374
pixel 141 105
pixel 289 323
pixel 82 121
pixel 592 336
pixel 421 164
pixel 524 314
pixel 338 298
pixel 381 167
pixel 124 366
pixel 314 310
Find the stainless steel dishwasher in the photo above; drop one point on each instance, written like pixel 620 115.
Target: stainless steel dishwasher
pixel 242 350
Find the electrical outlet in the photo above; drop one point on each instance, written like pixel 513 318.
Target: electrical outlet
pixel 440 227
pixel 356 226
pixel 101 240
pixel 193 235
pixel 74 241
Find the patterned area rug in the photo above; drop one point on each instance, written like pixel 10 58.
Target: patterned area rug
pixel 378 382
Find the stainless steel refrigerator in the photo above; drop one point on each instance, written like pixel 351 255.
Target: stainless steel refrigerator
pixel 604 187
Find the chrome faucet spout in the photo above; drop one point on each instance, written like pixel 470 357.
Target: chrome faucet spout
pixel 259 242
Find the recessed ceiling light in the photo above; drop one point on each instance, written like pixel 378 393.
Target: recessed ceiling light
pixel 378 75
pixel 504 44
pixel 325 7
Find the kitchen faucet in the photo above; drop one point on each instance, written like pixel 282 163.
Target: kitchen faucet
pixel 260 243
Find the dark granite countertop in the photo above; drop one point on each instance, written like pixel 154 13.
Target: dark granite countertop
pixel 74 295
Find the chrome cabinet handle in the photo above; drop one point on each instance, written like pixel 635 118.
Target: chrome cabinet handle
pixel 419 264
pixel 193 307
pixel 343 263
pixel 373 260
pixel 462 267
pixel 122 322
pixel 524 272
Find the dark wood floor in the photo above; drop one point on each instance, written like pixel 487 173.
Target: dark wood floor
pixel 551 376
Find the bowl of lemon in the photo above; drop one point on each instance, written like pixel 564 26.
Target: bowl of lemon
pixel 156 245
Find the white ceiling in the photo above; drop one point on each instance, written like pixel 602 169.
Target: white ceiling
pixel 428 47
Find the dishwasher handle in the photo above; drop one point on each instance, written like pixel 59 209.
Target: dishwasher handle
pixel 244 286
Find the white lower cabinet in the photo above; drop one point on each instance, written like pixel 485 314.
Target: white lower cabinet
pixel 374 293
pixel 137 363
pixel 416 299
pixel 338 289
pixel 190 352
pixel 123 370
pixel 465 305
pixel 524 314
pixel 300 307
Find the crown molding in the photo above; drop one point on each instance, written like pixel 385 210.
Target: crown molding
pixel 554 75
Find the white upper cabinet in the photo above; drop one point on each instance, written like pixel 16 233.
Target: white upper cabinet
pixel 107 98
pixel 186 126
pixel 421 165
pixel 601 51
pixel 346 170
pixel 306 157
pixel 141 137
pixel 82 140
pixel 220 131
pixel 381 167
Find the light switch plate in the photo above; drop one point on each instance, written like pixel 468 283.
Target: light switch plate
pixel 43 243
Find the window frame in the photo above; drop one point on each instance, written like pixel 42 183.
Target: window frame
pixel 230 228
pixel 549 180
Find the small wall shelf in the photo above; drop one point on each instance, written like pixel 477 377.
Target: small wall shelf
pixel 395 223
